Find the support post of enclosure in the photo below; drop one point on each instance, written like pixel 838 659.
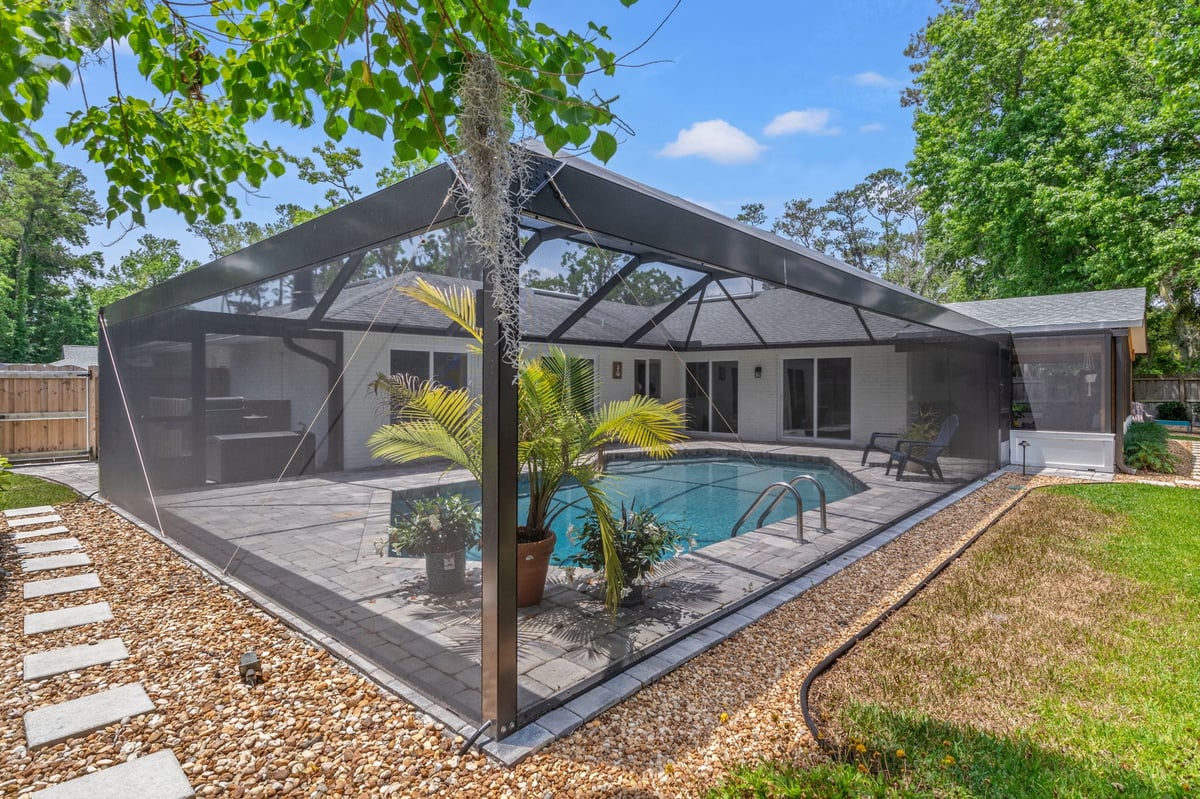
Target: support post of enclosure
pixel 499 547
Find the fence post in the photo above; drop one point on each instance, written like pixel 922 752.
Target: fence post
pixel 93 422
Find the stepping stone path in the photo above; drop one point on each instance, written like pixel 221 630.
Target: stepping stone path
pixel 61 585
pixel 46 547
pixel 50 725
pixel 155 776
pixel 26 521
pixel 54 562
pixel 64 618
pixel 24 534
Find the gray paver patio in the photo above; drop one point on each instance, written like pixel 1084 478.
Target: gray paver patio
pixel 309 544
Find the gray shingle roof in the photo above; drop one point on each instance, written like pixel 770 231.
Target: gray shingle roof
pixel 1085 310
pixel 79 355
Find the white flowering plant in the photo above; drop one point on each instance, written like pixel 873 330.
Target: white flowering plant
pixel 642 540
pixel 436 524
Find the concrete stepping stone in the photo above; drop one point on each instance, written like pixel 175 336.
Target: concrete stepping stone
pixel 156 776
pixel 24 534
pixel 26 521
pixel 54 562
pixel 35 510
pixel 46 547
pixel 63 618
pixel 56 723
pixel 61 585
pixel 39 665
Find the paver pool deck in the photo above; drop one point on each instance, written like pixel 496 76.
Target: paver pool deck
pixel 306 548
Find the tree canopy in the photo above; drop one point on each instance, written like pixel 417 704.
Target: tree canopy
pixel 1059 145
pixel 584 271
pixel 877 225
pixel 44 216
pixel 179 138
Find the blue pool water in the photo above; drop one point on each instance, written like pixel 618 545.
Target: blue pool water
pixel 705 495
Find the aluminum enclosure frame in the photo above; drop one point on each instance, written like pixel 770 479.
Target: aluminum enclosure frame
pixel 581 202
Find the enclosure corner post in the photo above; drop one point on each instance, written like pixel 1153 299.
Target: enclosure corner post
pixel 499 616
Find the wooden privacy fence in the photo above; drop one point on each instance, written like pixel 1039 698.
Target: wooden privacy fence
pixel 47 412
pixel 1179 388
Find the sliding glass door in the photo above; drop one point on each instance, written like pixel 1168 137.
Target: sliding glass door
pixel 711 392
pixel 816 397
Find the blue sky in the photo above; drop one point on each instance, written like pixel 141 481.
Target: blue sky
pixel 760 100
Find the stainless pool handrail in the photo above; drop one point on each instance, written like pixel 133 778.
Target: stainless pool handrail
pixel 759 498
pixel 824 528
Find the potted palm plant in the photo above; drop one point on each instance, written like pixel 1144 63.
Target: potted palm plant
pixel 441 528
pixel 561 434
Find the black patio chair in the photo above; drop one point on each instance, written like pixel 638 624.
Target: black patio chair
pixel 923 453
pixel 885 448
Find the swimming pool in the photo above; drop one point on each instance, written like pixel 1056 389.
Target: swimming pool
pixel 705 495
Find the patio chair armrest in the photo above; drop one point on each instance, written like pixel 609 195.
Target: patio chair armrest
pixel 883 435
pixel 912 442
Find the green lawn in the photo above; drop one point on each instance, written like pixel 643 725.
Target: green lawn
pixel 23 491
pixel 1060 658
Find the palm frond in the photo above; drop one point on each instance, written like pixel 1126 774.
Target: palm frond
pixel 456 304
pixel 641 422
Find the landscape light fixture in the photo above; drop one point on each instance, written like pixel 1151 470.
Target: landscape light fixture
pixel 250 669
pixel 1024 445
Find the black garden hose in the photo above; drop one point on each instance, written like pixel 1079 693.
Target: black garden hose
pixel 849 643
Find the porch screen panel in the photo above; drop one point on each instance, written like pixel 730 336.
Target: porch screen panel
pixel 1061 383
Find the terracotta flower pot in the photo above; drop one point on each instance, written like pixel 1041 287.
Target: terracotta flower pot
pixel 533 561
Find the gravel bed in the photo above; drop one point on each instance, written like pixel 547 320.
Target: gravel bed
pixel 317 728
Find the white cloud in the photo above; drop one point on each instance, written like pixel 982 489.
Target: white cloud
pixel 871 127
pixel 809 120
pixel 716 140
pixel 874 80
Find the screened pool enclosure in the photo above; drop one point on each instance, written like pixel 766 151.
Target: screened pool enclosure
pixel 236 405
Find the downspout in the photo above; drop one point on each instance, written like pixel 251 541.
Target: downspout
pixel 333 414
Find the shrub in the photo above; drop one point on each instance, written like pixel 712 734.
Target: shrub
pixel 1172 411
pixel 436 524
pixel 642 540
pixel 1146 448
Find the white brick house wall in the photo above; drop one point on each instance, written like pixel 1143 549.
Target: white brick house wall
pixel 259 370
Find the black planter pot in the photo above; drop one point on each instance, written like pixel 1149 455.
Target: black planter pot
pixel 446 571
pixel 635 597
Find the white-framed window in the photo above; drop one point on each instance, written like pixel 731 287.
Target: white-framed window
pixel 647 377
